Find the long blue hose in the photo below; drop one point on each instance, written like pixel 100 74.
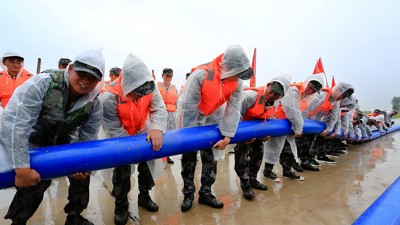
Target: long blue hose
pixel 57 161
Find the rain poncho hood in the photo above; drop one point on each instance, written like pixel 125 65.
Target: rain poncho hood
pixel 92 57
pixel 348 104
pixel 340 88
pixel 234 61
pixel 135 74
pixel 317 77
pixel 11 54
pixel 284 80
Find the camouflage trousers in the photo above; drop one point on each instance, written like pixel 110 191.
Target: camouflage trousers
pixel 248 159
pixel 208 171
pixel 286 159
pixel 305 147
pixel 122 184
pixel 27 199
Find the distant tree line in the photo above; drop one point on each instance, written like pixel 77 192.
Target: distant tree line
pixel 396 103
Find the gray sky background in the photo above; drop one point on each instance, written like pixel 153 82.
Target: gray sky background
pixel 358 40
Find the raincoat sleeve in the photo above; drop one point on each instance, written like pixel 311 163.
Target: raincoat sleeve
pixel 231 116
pixel 290 104
pixel 158 113
pixel 363 131
pixel 357 131
pixel 332 117
pixel 248 100
pixel 111 123
pixel 315 101
pixel 351 130
pixel 89 130
pixel 368 130
pixel 19 117
pixel 191 98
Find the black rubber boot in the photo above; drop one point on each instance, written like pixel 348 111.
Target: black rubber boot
pixel 145 201
pixel 187 202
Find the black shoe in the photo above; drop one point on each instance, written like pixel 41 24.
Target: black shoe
pixel 257 185
pixel 271 175
pixel 248 193
pixel 293 176
pixel 77 220
pixel 340 152
pixel 121 218
pixel 314 162
pixel 309 166
pixel 187 202
pixel 146 202
pixel 326 159
pixel 297 167
pixel 210 200
pixel 170 161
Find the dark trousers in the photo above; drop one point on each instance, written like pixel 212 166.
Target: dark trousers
pixel 122 184
pixel 208 172
pixel 286 159
pixel 305 147
pixel 248 159
pixel 27 199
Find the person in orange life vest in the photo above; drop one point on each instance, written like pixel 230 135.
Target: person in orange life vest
pixel 328 111
pixel 379 121
pixel 257 103
pixel 12 76
pixel 128 102
pixel 170 96
pixel 208 87
pixel 347 105
pixel 114 74
pixel 290 107
pixel 63 63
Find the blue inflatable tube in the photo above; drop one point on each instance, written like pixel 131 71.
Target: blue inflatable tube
pixel 385 210
pixel 57 161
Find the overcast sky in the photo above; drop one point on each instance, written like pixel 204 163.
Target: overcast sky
pixel 358 40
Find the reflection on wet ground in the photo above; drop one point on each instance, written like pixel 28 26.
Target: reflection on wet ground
pixel 337 194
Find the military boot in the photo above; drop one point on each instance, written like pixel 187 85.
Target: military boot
pixel 210 200
pixel 269 174
pixel 121 212
pixel 74 219
pixel 187 202
pixel 145 201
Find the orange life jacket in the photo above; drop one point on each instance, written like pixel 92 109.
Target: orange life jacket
pixel 326 105
pixel 8 85
pixel 170 97
pixel 257 111
pixel 214 91
pixel 132 113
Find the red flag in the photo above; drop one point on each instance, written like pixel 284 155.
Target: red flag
pixel 253 66
pixel 319 68
pixel 333 82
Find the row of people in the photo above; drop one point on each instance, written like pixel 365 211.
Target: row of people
pixel 53 109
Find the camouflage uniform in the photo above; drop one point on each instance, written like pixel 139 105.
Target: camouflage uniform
pixel 248 159
pixel 208 172
pixel 122 184
pixel 52 128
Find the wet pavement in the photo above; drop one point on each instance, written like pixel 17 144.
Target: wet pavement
pixel 337 194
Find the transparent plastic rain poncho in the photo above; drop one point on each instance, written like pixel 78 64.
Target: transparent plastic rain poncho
pixel 25 105
pixel 135 74
pixel 330 118
pixel 290 104
pixel 348 105
pixel 233 62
